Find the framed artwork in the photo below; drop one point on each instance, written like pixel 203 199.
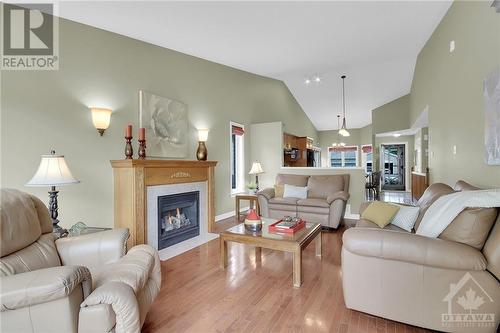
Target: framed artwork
pixel 491 92
pixel 166 125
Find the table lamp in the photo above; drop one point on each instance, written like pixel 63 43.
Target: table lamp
pixel 256 170
pixel 53 171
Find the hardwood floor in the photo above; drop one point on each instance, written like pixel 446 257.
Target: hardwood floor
pixel 257 296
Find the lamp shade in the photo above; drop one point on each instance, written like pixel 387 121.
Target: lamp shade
pixel 101 118
pixel 202 135
pixel 256 169
pixel 53 171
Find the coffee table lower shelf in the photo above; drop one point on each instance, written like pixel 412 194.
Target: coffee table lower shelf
pixel 295 243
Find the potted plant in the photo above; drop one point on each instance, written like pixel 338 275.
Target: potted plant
pixel 252 188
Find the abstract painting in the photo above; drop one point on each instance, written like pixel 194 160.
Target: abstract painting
pixel 491 91
pixel 166 125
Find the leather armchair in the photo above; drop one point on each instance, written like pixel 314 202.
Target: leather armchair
pixel 86 283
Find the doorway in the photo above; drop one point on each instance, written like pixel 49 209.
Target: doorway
pixel 394 167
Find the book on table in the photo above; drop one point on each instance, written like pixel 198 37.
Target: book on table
pixel 287 225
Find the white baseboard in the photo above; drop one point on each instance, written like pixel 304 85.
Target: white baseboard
pixel 227 215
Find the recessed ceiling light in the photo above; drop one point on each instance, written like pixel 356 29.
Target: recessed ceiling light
pixel 396 135
pixel 317 79
pixel 307 81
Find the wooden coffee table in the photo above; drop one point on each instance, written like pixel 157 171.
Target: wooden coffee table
pixel 294 243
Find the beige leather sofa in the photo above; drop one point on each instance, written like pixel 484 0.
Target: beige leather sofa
pixel 75 284
pixel 418 280
pixel 326 199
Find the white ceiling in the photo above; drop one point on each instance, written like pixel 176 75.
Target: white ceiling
pixel 374 43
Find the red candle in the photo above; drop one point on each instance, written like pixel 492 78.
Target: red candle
pixel 128 131
pixel 142 133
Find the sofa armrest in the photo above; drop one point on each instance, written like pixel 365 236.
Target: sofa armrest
pixel 93 250
pixel 268 193
pixel 411 248
pixel 122 299
pixel 341 195
pixel 135 269
pixel 42 286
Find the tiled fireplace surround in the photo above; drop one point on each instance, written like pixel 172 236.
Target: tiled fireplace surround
pixel 153 192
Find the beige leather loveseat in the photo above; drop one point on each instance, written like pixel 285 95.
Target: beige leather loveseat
pixel 75 284
pixel 438 283
pixel 325 203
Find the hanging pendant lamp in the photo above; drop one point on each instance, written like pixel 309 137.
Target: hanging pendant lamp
pixel 338 143
pixel 343 131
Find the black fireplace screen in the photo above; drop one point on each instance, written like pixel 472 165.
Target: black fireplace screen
pixel 178 218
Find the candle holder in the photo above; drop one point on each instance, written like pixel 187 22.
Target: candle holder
pixel 129 151
pixel 142 149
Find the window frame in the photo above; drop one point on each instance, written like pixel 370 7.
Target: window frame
pixel 342 157
pixel 364 159
pixel 239 159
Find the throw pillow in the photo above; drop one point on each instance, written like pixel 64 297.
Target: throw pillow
pixel 380 213
pixel 406 217
pixel 472 226
pixel 295 192
pixel 278 190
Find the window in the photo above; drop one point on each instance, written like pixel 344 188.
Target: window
pixel 343 157
pixel 367 157
pixel 237 132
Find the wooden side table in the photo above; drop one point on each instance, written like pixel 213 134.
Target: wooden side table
pixel 252 198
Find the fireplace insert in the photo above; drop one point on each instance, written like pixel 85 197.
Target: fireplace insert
pixel 178 218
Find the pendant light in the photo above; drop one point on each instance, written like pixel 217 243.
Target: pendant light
pixel 343 131
pixel 338 143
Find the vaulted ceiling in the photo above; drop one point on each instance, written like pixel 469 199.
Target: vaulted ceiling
pixel 375 43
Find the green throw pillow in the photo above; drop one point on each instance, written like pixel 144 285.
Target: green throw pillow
pixel 380 213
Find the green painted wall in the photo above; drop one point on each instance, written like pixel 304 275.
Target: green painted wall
pixel 392 116
pixel 49 109
pixel 451 85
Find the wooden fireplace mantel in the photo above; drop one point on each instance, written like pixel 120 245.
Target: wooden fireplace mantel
pixel 131 178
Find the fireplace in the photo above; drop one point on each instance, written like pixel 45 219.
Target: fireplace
pixel 178 218
pixel 165 233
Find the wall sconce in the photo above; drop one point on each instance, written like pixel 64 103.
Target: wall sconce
pixel 202 153
pixel 101 118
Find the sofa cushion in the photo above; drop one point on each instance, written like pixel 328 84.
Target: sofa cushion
pixel 313 206
pixel 283 204
pixel 431 194
pixel 40 254
pixel 464 186
pixel 491 249
pixel 284 201
pixel 323 186
pixel 19 221
pixel 313 202
pixel 362 223
pixel 380 213
pixel 471 227
pixel 296 180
